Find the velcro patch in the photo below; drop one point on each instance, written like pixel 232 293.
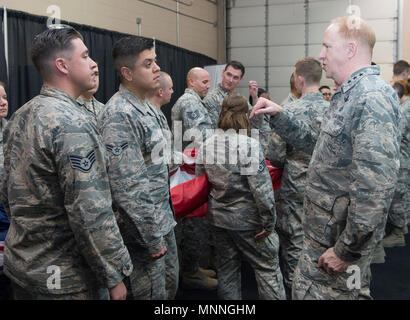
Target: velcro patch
pixel 262 165
pixel 117 150
pixel 83 164
pixel 193 114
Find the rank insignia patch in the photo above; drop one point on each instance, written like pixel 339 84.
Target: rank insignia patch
pixel 83 164
pixel 117 150
pixel 193 115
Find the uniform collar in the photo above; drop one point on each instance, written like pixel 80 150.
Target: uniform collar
pixel 190 91
pixel 57 93
pixel 311 95
pixel 357 76
pixel 222 89
pixel 141 104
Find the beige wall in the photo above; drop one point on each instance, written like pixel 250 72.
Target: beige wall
pixel 121 15
pixel 406 31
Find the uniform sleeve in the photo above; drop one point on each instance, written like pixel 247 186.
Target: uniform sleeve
pixel 129 181
pixel 276 151
pixel 80 159
pixel 297 133
pixel 260 185
pixel 373 175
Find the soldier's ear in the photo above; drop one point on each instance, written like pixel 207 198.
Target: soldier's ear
pixel 126 73
pixel 351 49
pixel 61 65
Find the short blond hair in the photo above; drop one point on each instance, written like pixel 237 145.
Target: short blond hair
pixel 356 28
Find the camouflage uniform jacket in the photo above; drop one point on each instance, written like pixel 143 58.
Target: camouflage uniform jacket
pixel 93 106
pixel 310 109
pixel 3 123
pixel 354 166
pixel 405 141
pixel 213 103
pixel 136 135
pixel 56 193
pixel 241 195
pixel 189 109
pixel 289 99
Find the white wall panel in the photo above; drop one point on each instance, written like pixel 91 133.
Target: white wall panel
pixel 286 36
pixel 248 37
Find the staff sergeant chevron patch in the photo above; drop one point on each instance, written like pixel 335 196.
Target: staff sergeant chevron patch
pixel 117 150
pixel 84 164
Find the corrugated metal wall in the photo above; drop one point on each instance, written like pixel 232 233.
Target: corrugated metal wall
pixel 269 36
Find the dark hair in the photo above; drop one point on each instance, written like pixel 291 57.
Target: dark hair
pixel 310 69
pixel 323 87
pixel 49 45
pixel 399 89
pixel 236 65
pixel 400 66
pixel 292 82
pixel 234 114
pixel 127 50
pixel 260 92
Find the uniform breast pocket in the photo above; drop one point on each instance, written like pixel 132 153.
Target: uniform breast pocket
pixel 334 142
pixel 334 127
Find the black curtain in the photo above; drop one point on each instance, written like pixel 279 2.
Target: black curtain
pixel 3 67
pixel 25 81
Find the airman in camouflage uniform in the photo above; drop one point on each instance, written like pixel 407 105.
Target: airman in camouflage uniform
pixel 353 170
pixel 397 218
pixel 241 208
pixel 63 241
pixel 309 108
pixel 136 135
pixel 231 77
pixel 189 110
pixel 189 113
pixel 293 94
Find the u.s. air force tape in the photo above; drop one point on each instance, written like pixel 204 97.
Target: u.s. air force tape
pixel 84 164
pixel 117 150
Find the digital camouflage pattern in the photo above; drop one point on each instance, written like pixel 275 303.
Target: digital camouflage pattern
pixel 351 177
pixel 154 279
pixel 191 233
pixel 310 109
pixel 400 206
pixel 235 246
pixel 56 193
pixel 190 110
pixel 136 135
pixel 93 106
pixel 240 204
pixel 213 104
pixel 3 123
pixel 289 99
pixel 241 193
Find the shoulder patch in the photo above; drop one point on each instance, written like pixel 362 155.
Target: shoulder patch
pixel 83 164
pixel 262 165
pixel 117 150
pixel 193 114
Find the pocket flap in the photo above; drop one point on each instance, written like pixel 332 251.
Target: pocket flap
pixel 321 198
